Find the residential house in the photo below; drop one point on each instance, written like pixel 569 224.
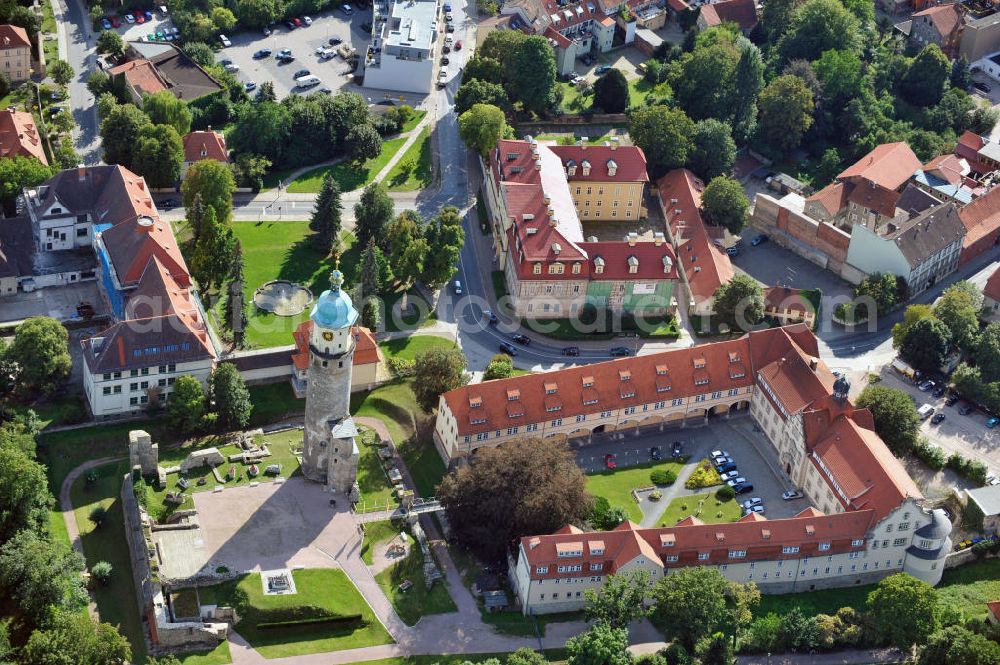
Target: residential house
pixel 980 34
pixel 203 144
pixel 550 270
pixel 787 306
pixel 16 250
pixel 704 265
pixel 19 136
pixel 867 192
pixel 741 12
pixel 991 297
pixel 969 148
pixel 986 502
pixel 867 522
pixel 922 250
pixel 946 178
pixel 982 226
pixel 401 55
pixel 941 25
pixel 152 67
pixel 15 53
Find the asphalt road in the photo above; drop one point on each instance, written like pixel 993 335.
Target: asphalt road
pixel 80 54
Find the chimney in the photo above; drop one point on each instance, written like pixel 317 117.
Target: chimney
pixel 538 163
pixel 547 199
pixel 583 142
pixel 551 211
pixel 614 142
pixel 145 223
pixel 553 222
pixel 81 173
pixel 658 238
pixel 632 237
pixel 813 364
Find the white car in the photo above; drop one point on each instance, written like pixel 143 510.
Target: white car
pixel 232 67
pixel 718 453
pixel 754 509
pixel 448 41
pixel 755 501
pixel 791 494
pixel 443 77
pixel 730 475
pixel 225 41
pixel 733 482
pixel 458 288
pixel 307 20
pixel 129 18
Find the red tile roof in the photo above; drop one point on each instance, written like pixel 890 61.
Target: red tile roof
pixel 132 243
pixel 19 137
pixel 741 12
pixel 968 147
pixel 678 5
pixel 630 162
pixel 992 288
pixel 945 18
pixel 560 39
pixel 782 297
pixel 141 75
pixel 881 200
pixel 705 265
pixel 833 197
pixel 366 349
pixel 13 36
pixel 981 217
pixel 656 260
pixel 205 145
pixel 994 607
pixel 888 165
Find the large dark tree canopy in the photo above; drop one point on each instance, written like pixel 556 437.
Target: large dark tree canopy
pixel 517 489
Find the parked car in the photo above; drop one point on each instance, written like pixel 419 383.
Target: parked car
pixel 450 27
pixel 326 91
pixel 720 462
pixel 727 467
pixel 148 15
pixel 754 509
pixel 490 317
pixel 587 60
pixel 167 204
pixel 619 351
pixel 250 86
pixel 925 386
pixel 458 288
pixel 225 41
pixel 951 399
pixel 729 475
pixel 285 59
pixel 571 350
pixel 508 349
pixel 307 20
pixel 444 60
pixel 654 454
pixel 266 31
pixel 346 9
pixel 939 391
pixel 140 17
pixel 993 422
pixel 297 21
pixel 718 453
pixel 609 461
pixel 290 25
pixel 522 339
pixel 738 480
pixel 759 240
pixel 939 417
pixel 129 18
pixel 282 52
pixel 732 251
pixel 106 24
pixel 675 449
pixel 791 494
pixel 743 488
pixel 447 7
pixel 458 45
pixel 965 409
pixel 232 67
pixel 300 73
pixel 981 87
pixel 602 69
pixel 755 501
pixel 334 41
pixel 442 77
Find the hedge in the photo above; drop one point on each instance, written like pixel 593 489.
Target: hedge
pixel 663 477
pixel 704 476
pixel 332 620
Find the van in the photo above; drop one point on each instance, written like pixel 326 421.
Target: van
pixel 442 77
pixel 307 81
pixel 925 411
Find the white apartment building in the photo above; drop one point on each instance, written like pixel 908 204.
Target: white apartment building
pixel 401 54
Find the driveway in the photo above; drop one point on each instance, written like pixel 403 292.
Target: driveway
pixel 334 73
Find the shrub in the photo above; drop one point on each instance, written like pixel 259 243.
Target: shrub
pixel 401 367
pixel 981 549
pixel 655 495
pixel 604 516
pixel 98 515
pixel 141 492
pixel 663 477
pixel 974 470
pixel 931 455
pixel 101 572
pixel 704 476
pixel 725 493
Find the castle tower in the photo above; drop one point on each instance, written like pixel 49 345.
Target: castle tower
pixel 330 454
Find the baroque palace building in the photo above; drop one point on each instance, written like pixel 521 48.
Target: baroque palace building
pixel 867 519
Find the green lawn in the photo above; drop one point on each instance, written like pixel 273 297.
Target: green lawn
pixel 703 506
pixel 418 600
pixel 409 347
pixel 62 411
pixel 280 444
pixel 217 656
pixel 348 175
pixel 639 90
pixel 421 172
pixel 552 655
pixel 499 284
pixel 376 490
pixel 574 137
pixel 327 590
pixel 395 404
pixel 272 402
pixel 412 123
pixel 115 602
pixel 375 533
pixel 616 486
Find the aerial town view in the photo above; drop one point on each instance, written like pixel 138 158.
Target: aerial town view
pixel 499 332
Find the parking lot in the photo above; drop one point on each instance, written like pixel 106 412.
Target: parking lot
pixel 754 456
pixel 967 434
pixel 334 73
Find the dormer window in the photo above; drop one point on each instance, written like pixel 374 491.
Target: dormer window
pixel 556 268
pixel 633 265
pixel 475 402
pixel 588 382
pixel 661 370
pixel 598 265
pixel 586 168
pixel 624 375
pixel 204 152
pixel 571 168
pixel 551 388
pixel 668 265
pixel 765 534
pixel 538 269
pixel 612 167
pixel 699 362
pixel 576 268
pixel 734 357
pixel 513 395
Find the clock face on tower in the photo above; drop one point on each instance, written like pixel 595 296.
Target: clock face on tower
pixel 328 336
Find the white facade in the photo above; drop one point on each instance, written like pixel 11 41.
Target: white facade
pixel 870 253
pixel 401 54
pixel 116 394
pixel 57 227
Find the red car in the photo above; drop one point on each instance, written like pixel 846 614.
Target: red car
pixel 458 45
pixel 115 21
pixel 139 17
pixel 609 461
pixel 298 22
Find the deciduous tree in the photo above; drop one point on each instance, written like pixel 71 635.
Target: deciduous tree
pixel 748 82
pixel 163 108
pixel 530 75
pixel 927 344
pixel 24 496
pixel 842 75
pixel 912 314
pixel 957 645
pixel 41 352
pixel 445 238
pixel 231 397
pixel 691 603
pixel 482 126
pixel 818 26
pixel 713 151
pixel 987 353
pixel 705 86
pixel 524 487
pixel 664 134
pixel 923 84
pixel 501 366
pixel 215 183
pixel 257 13
pixel 186 405
pixel 602 644
pixel 19 172
pixel 120 132
pixel 61 72
pixel 112 44
pixel 76 638
pixel 41 575
pixel 213 251
pixel 326 216
pixel 483 68
pixel 611 92
pixel 476 91
pixel 903 610
pixel 739 303
pixel 724 203
pixel 363 143
pixel 620 601
pixel 158 155
pixel 895 416
pixel 786 107
pixel 437 371
pixel 958 308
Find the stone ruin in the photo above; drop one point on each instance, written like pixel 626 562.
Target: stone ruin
pixel 204 457
pixel 145 455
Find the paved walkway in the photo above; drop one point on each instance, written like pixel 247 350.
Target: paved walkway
pixel 66 507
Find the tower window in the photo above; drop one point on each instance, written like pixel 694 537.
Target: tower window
pixel 340 364
pixel 324 363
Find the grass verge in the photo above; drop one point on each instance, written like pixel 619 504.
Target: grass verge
pixel 349 175
pixel 704 506
pixel 417 600
pixel 415 169
pixel 616 486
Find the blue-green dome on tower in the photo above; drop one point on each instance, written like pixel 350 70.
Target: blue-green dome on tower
pixel 334 309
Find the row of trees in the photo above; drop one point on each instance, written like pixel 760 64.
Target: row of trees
pixel 929 334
